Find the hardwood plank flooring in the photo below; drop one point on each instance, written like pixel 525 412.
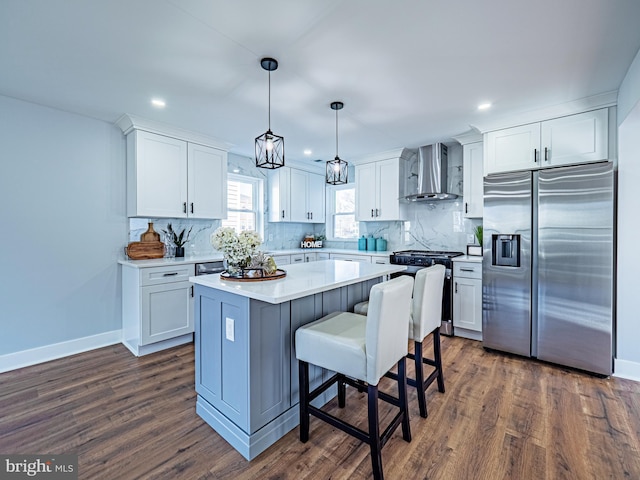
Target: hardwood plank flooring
pixel 502 417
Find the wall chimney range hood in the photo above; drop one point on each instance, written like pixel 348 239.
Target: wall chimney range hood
pixel 432 175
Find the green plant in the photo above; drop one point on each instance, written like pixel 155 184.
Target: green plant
pixel 478 233
pixel 178 239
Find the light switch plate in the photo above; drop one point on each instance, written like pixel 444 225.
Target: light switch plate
pixel 230 329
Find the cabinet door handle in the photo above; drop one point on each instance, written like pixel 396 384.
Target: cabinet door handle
pixel 311 213
pixel 184 207
pixel 192 290
pixel 282 213
pixel 466 207
pixel 170 274
pixel 191 207
pixel 372 213
pixel 535 155
pixel 456 287
pixel 466 270
pixel 546 154
pixel 377 214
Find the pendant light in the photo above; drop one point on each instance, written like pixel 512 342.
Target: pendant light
pixel 269 147
pixel 337 172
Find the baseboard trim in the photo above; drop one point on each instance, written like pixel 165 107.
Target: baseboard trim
pixel 627 369
pixel 33 356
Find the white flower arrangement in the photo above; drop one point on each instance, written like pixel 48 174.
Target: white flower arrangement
pixel 238 248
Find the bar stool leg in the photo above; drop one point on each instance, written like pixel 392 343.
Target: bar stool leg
pixel 374 433
pixel 341 391
pixel 437 356
pixel 303 375
pixel 422 401
pixel 402 397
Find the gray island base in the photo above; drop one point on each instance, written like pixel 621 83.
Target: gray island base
pixel 246 368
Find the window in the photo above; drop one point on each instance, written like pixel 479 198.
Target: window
pixel 244 204
pixel 342 213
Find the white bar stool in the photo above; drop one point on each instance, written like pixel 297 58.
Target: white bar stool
pixel 361 350
pixel 426 315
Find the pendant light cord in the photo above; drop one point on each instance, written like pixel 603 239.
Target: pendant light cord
pixel 269 109
pixel 336 133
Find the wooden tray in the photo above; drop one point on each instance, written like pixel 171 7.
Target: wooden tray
pixel 249 277
pixel 145 250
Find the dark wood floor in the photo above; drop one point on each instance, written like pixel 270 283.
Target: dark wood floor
pixel 502 417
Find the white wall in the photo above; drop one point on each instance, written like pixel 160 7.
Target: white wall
pixel 628 301
pixel 62 224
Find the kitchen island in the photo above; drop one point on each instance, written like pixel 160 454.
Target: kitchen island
pixel 246 368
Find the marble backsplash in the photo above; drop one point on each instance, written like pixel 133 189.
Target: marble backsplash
pixel 437 225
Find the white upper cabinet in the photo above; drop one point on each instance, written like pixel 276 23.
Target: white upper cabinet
pixel 575 139
pixel 572 139
pixel 472 186
pixel 378 190
pixel 279 195
pixel 206 166
pixel 296 196
pixel 156 175
pixel 171 178
pixel 516 148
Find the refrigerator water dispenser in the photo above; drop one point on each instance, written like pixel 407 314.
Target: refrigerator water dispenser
pixel 505 250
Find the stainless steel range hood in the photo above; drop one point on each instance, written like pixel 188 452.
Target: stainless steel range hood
pixel 432 174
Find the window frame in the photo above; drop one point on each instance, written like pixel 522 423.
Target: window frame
pixel 331 212
pixel 257 186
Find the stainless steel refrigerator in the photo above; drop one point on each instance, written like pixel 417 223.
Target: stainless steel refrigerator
pixel 548 265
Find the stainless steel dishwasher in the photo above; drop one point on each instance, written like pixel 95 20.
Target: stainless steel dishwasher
pixel 207 268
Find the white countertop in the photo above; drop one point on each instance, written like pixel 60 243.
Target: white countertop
pixel 217 257
pixel 167 261
pixel 468 258
pixel 302 279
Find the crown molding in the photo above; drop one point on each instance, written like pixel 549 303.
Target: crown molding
pixel 471 136
pixel 607 99
pixel 128 122
pixel 386 155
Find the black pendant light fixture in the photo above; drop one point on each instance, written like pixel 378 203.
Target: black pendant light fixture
pixel 269 147
pixel 337 169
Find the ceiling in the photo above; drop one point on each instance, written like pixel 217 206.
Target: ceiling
pixel 410 72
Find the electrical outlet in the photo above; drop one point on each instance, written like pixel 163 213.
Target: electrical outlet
pixel 271 237
pixel 230 329
pixel 471 238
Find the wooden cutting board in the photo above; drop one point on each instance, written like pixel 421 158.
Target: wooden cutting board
pixel 145 250
pixel 150 235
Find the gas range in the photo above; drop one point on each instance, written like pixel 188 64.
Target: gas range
pixel 423 258
pixel 418 259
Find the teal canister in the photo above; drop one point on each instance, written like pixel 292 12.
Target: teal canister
pixel 381 245
pixel 362 243
pixel 371 243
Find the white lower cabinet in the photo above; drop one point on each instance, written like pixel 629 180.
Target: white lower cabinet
pixel 281 259
pixel 157 307
pixel 381 260
pixel 351 258
pixel 297 258
pixel 467 299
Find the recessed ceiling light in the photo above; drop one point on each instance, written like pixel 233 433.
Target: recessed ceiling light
pixel 307 151
pixel 484 106
pixel 158 102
